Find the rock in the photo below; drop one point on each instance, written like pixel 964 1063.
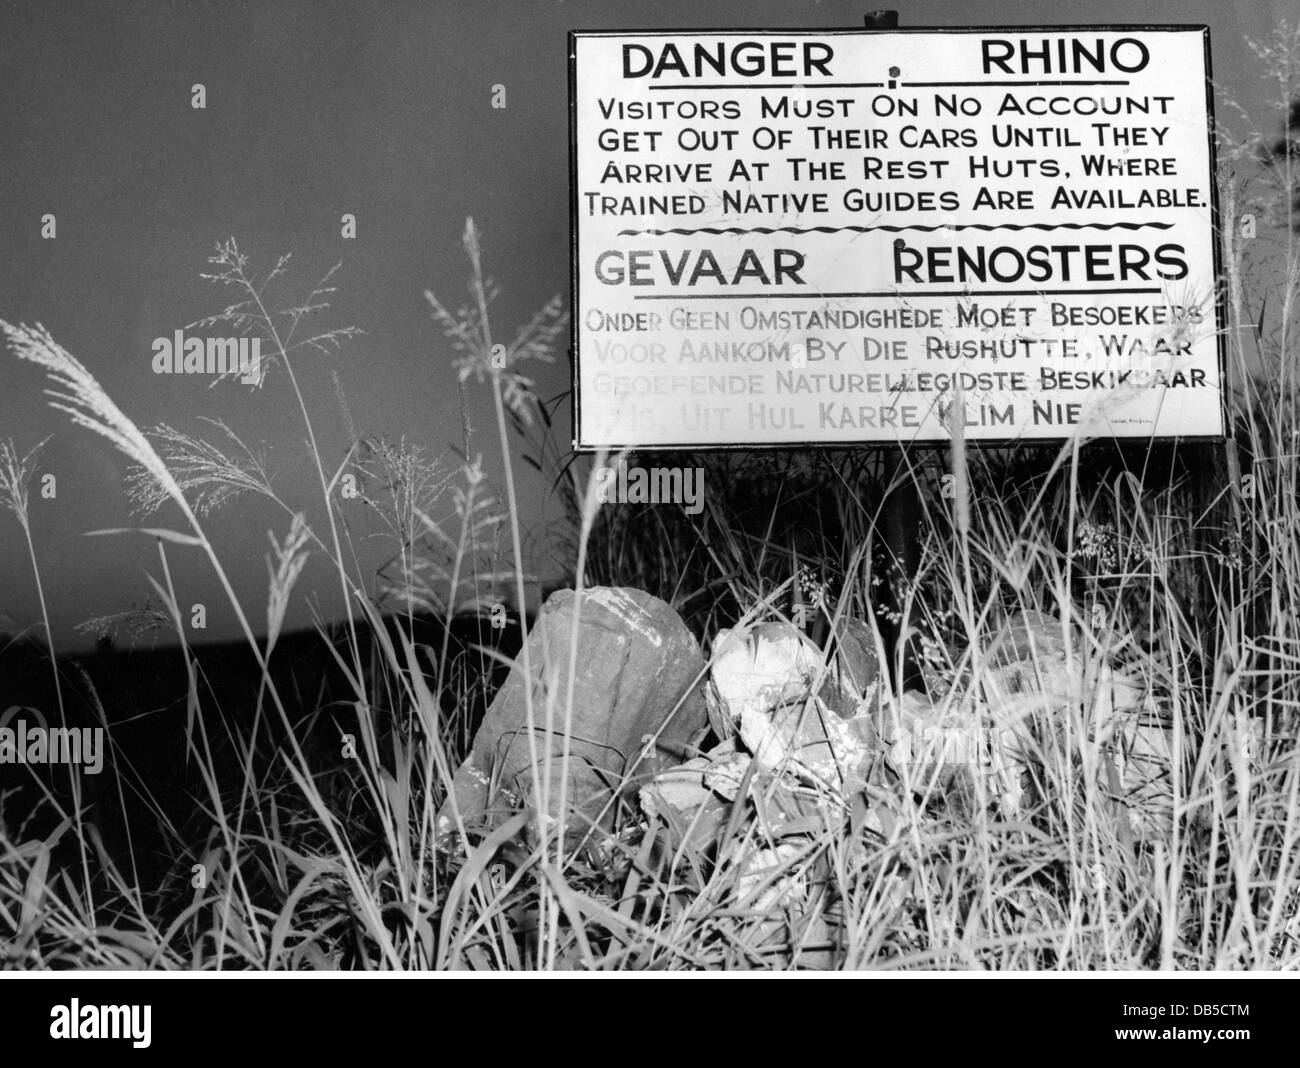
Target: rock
pixel 769 880
pixel 1032 667
pixel 1031 636
pixel 759 667
pixel 725 775
pixel 761 683
pixel 1033 675
pixel 683 799
pixel 939 747
pixel 1141 751
pixel 637 707
pixel 785 899
pixel 858 667
pixel 1039 667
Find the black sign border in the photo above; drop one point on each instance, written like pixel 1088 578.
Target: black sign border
pixel 1220 300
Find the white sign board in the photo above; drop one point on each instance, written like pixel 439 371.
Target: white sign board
pixel 787 237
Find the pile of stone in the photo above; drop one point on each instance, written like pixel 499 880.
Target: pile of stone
pixel 622 701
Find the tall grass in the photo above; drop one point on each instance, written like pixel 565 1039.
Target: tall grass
pixel 315 841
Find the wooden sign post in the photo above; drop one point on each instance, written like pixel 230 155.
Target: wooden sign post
pixel 900 506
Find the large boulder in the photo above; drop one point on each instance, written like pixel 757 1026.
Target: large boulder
pixel 637 709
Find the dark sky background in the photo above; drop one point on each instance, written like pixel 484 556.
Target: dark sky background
pixel 316 109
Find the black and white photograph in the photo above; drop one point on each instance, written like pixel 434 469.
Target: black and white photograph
pixel 707 489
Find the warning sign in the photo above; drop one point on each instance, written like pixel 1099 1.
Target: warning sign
pixel 793 237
